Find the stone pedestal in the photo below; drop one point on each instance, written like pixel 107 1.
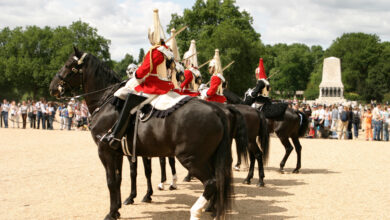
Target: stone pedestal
pixel 331 87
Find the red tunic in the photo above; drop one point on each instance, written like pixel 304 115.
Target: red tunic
pixel 212 91
pixel 152 84
pixel 185 90
pixel 188 79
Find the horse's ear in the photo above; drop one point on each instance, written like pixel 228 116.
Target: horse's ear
pixel 77 53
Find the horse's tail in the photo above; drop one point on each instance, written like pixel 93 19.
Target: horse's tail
pixel 240 133
pixel 223 170
pixel 264 136
pixel 304 124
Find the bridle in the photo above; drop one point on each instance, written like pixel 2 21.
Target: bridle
pixel 63 83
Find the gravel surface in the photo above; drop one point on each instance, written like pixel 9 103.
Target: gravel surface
pixel 58 175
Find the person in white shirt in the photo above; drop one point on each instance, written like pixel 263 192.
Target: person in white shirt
pixel 14 111
pixel 39 112
pixel 44 114
pixel 4 112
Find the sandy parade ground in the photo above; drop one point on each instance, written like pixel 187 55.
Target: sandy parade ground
pixel 58 175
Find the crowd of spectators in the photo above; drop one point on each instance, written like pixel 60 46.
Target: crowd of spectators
pixel 42 114
pixel 345 121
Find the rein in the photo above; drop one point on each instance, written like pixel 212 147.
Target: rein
pixel 91 93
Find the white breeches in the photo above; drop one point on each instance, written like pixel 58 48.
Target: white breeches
pixel 128 88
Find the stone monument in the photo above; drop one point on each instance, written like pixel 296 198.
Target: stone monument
pixel 331 87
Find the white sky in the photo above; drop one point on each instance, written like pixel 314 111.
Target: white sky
pixel 125 22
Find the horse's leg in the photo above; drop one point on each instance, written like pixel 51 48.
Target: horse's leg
pixel 237 166
pixel 259 158
pixel 112 163
pixel 173 185
pixel 251 167
pixel 287 145
pixel 298 149
pixel 148 174
pixel 133 177
pixel 209 193
pixel 163 173
pixel 187 178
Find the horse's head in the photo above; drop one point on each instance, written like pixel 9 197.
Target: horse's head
pixel 70 76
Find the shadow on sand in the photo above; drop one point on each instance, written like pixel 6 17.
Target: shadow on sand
pixel 301 171
pixel 248 201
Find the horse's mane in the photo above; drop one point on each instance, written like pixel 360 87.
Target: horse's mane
pixel 107 76
pixel 103 72
pixel 232 97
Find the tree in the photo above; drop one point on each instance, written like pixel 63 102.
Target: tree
pixel 291 66
pixel 141 55
pixel 29 57
pixel 120 67
pixel 221 25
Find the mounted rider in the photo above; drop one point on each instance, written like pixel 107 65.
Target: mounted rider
pixel 260 93
pixel 215 92
pixel 259 96
pixel 191 73
pixel 151 79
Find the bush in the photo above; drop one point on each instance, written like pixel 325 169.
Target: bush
pixel 352 96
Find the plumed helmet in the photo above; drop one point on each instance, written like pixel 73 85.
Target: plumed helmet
pixel 173 46
pixel 216 62
pixel 190 58
pixel 156 32
pixel 260 71
pixel 131 69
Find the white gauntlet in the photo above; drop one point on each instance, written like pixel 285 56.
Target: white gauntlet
pixel 203 93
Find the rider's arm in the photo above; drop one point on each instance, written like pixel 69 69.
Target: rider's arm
pixel 144 69
pixel 214 83
pixel 188 78
pixel 260 85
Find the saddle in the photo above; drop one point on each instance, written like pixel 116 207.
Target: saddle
pixel 164 105
pixel 161 107
pixel 274 111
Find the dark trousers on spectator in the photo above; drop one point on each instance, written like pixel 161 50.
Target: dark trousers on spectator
pixel 33 121
pixel 44 119
pixel 377 130
pixel 386 131
pixel 39 118
pixel 24 119
pixel 349 129
pixel 4 116
pixel 50 122
pixel 69 122
pixel 356 129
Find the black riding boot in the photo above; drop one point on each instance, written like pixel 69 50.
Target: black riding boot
pixel 120 127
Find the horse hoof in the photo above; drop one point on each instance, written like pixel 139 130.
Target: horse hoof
pixel 187 179
pixel 128 201
pixel 147 199
pixel 108 217
pixel 295 171
pixel 260 184
pixel 246 182
pixel 281 171
pixel 160 186
pixel 236 168
pixel 172 187
pixel 113 216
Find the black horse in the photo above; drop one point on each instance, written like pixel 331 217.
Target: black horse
pixel 257 129
pixel 292 124
pixel 197 134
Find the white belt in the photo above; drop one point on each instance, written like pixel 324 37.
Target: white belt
pixel 163 79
